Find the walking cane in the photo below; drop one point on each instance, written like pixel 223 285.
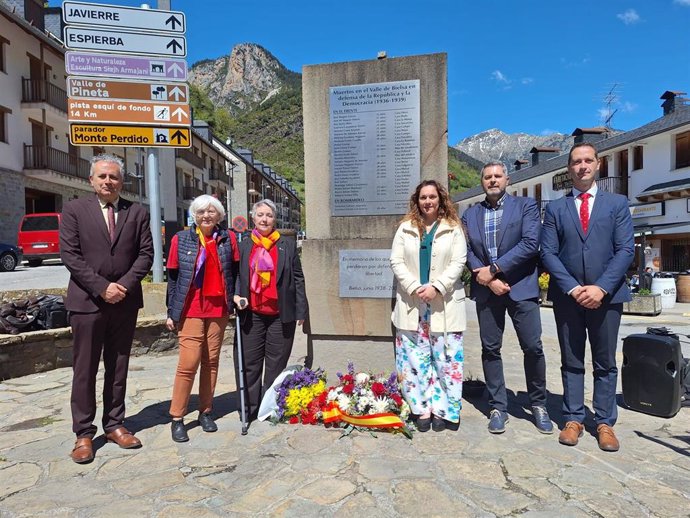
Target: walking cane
pixel 238 338
pixel 240 367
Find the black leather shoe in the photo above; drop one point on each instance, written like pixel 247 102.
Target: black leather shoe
pixel 438 424
pixel 178 431
pixel 423 424
pixel 207 423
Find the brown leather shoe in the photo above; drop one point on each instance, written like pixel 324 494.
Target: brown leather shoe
pixel 123 438
pixel 607 439
pixel 571 433
pixel 82 451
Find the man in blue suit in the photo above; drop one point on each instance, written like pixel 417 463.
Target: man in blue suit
pixel 587 246
pixel 503 249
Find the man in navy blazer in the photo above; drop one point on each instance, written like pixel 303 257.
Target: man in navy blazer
pixel 503 250
pixel 106 244
pixel 587 246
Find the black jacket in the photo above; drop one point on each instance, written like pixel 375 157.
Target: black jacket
pixel 292 296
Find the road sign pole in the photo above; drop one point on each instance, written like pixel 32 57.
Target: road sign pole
pixel 155 213
pixel 155 208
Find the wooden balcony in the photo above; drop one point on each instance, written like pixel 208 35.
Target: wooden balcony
pixel 189 192
pixel 43 91
pixel 39 157
pixel 189 157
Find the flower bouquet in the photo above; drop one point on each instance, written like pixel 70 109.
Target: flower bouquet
pixel 298 396
pixel 368 401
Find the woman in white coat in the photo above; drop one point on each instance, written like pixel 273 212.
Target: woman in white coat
pixel 428 256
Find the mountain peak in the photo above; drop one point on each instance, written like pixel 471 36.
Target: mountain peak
pixel 243 79
pixel 494 144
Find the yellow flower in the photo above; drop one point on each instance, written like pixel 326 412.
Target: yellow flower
pixel 544 281
pixel 297 399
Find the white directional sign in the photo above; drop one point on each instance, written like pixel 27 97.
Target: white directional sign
pixel 124 42
pixel 78 13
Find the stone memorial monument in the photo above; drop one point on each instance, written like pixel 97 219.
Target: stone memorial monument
pixel 372 130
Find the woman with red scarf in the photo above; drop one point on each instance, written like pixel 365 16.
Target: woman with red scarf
pixel 201 285
pixel 270 291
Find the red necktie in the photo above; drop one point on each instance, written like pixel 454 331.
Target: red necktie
pixel 111 221
pixel 584 210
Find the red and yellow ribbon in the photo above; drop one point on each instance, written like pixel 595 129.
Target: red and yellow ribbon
pixel 333 414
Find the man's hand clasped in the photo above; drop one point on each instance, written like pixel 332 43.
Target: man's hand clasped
pixel 589 296
pixel 114 293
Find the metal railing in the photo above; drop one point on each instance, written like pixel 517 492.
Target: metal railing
pixel 189 157
pixel 43 91
pixel 216 173
pixel 39 157
pixel 614 184
pixel 189 192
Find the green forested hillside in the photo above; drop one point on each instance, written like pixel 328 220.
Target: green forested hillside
pixel 461 174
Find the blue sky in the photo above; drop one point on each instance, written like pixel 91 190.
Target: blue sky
pixel 520 66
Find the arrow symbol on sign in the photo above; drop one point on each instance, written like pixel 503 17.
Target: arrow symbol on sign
pixel 175 69
pixel 180 113
pixel 172 21
pixel 179 136
pixel 175 45
pixel 177 93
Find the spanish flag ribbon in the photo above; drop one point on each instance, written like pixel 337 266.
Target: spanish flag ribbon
pixel 386 420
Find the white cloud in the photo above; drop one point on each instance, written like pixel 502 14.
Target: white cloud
pixel 628 107
pixel 603 113
pixel 527 80
pixel 500 77
pixel 629 17
pixel 574 63
pixel 682 2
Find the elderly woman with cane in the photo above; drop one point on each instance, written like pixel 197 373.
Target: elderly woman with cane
pixel 270 288
pixel 201 285
pixel 427 257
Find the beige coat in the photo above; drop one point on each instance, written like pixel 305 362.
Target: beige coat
pixel 448 255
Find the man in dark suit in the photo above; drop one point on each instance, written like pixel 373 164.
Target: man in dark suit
pixel 503 248
pixel 587 246
pixel 106 244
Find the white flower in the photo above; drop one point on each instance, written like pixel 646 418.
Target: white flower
pixel 332 395
pixel 404 411
pixel 361 378
pixel 380 405
pixel 364 403
pixel 343 402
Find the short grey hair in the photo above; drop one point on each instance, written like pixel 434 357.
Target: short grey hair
pixel 107 157
pixel 268 203
pixel 495 163
pixel 204 202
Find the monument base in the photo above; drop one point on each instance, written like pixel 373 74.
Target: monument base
pixel 331 315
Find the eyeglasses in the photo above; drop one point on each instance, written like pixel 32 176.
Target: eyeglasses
pixel 210 212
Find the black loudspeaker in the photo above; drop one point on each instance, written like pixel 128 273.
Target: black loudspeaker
pixel 652 374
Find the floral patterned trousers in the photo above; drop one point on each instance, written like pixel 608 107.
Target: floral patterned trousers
pixel 430 370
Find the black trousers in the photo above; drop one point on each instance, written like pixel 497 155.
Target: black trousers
pixel 110 331
pixel 266 347
pixel 527 324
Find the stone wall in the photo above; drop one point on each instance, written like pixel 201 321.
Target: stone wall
pixel 39 351
pixel 11 204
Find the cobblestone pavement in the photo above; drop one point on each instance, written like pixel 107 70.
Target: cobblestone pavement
pixel 295 470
